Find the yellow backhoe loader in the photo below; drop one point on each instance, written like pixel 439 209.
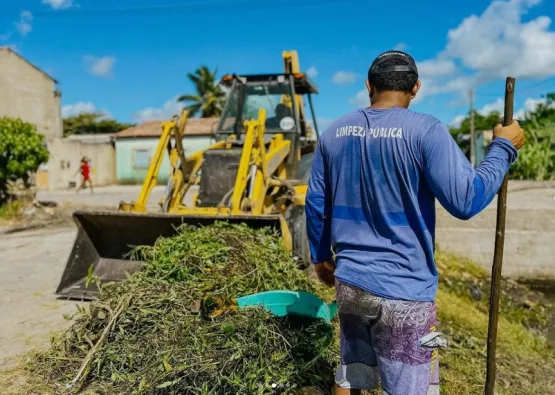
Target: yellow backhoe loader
pixel 255 173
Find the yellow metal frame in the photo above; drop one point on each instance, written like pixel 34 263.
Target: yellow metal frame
pixel 255 174
pixel 151 176
pixel 261 177
pixel 292 66
pixel 184 169
pixel 260 173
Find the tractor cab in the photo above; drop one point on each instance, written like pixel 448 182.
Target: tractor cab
pixel 282 96
pixel 279 94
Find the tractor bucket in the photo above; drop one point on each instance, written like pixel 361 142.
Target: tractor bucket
pixel 104 238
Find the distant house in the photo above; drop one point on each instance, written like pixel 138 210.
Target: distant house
pixel 135 147
pixel 483 138
pixel 99 150
pixel 29 93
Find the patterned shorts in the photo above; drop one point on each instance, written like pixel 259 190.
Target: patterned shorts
pixel 380 341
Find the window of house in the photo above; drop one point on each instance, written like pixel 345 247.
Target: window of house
pixel 141 158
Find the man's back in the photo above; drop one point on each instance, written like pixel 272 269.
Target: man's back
pixel 383 169
pixel 383 212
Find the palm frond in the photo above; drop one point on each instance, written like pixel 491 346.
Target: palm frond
pixel 195 98
pixel 193 109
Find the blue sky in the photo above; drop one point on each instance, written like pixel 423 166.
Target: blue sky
pixel 130 57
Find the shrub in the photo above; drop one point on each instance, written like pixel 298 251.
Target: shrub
pixel 536 160
pixel 22 150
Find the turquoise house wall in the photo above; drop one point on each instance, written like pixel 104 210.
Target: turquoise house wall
pixel 133 156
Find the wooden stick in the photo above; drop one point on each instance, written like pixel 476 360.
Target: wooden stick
pixel 121 307
pixel 498 253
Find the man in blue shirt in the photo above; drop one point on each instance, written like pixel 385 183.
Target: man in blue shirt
pixel 370 210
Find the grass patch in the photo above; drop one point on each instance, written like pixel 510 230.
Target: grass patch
pixel 525 363
pixel 11 210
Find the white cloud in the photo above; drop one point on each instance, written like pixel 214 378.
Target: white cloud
pixel 428 72
pixel 435 86
pixel 429 87
pixel 436 67
pixel 400 47
pixel 361 99
pixel 344 77
pixel 530 104
pixel 498 105
pixel 81 107
pixel 99 66
pixel 497 43
pixel 23 25
pixel 170 108
pixel 456 122
pixel 77 108
pixel 312 72
pixel 59 4
pixel 490 46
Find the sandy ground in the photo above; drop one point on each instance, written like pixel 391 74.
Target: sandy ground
pixel 103 196
pixel 30 268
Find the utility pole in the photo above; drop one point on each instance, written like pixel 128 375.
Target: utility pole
pixel 472 129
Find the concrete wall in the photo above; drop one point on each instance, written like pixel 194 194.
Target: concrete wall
pixel 65 157
pixel 27 93
pixel 529 237
pixel 134 155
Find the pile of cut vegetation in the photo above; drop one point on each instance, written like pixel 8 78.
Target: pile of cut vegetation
pixel 156 332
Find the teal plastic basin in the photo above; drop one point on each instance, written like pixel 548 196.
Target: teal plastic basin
pixel 282 303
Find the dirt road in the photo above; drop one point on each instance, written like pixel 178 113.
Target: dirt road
pixel 102 196
pixel 30 267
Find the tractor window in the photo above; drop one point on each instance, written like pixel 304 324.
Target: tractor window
pixel 275 98
pixel 230 112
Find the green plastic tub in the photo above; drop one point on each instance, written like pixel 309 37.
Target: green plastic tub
pixel 282 303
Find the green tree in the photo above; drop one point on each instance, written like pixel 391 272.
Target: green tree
pixel 481 122
pixel 22 151
pixel 536 160
pixel 543 114
pixel 209 97
pixel 92 123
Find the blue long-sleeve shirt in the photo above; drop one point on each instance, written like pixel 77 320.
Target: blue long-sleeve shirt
pixel 371 197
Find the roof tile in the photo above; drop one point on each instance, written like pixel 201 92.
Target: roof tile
pixel 195 127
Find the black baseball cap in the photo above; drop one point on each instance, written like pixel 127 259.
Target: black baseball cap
pixel 377 66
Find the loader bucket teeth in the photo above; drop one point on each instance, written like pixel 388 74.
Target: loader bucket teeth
pixel 104 240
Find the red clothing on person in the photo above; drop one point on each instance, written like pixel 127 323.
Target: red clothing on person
pixel 85 171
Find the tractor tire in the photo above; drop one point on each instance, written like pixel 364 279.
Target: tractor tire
pixel 297 224
pixel 305 165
